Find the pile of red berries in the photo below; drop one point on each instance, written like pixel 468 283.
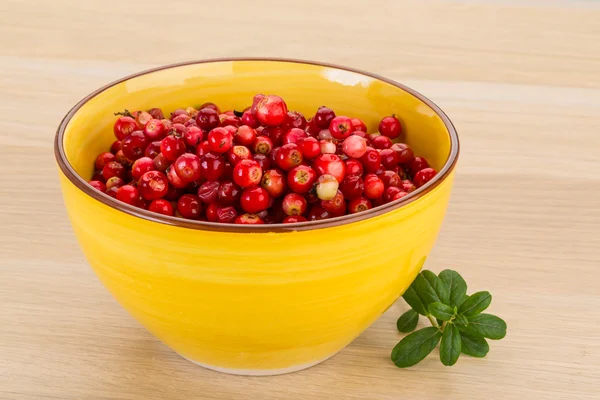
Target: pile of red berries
pixel 263 165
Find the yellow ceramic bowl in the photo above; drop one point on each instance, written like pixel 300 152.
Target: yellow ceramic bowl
pixel 255 299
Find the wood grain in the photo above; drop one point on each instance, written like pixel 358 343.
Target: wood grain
pixel 519 79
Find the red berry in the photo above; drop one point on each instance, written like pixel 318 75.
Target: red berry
pixel 291 219
pixel 352 187
pixel 202 149
pixel 174 179
pixel 161 163
pixel 208 192
pixel 238 153
pixel 311 128
pixel 262 145
pixel 310 147
pixel 210 105
pixel 354 146
pixel 373 186
pixel 103 159
pixel 133 146
pixel 393 193
pixel 207 118
pixel 115 181
pixel 193 136
pixel 226 215
pixel 180 129
pixel 289 156
pixel 389 158
pixel 407 186
pixel 244 135
pixel 275 133
pixel 120 158
pixel 161 206
pixel 424 176
pixel 247 173
pixel 317 213
pixel 417 164
pixel 123 127
pixel 327 147
pixel 113 168
pixel 263 161
pixel 371 160
pixel 340 127
pixel 294 135
pixel 327 187
pixel 142 118
pixel 153 149
pixel 187 167
pixel 155 130
pixel 254 200
pixel 301 178
pixel 390 178
pixel 228 193
pixel 404 152
pixel 189 206
pixel 336 206
pixel 249 219
pixel 273 155
pixel 220 140
pixel 294 204
pixel 381 142
pixel 128 194
pixel 271 110
pixel 212 166
pixel 141 166
pixel 250 119
pixel 358 125
pixel 274 182
pixel 211 212
pixel 358 205
pixel 390 127
pixel 116 146
pixel 98 185
pixel 295 120
pixel 229 120
pixel 156 113
pixel 172 147
pixel 330 164
pixel 323 117
pixel 97 176
pixel 353 167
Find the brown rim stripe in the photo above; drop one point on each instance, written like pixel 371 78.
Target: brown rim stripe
pixel 81 183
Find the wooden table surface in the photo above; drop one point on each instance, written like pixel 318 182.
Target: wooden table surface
pixel 520 80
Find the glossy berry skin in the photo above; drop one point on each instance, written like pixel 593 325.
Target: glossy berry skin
pixel 207 118
pixel 404 153
pixel 156 113
pixel 212 212
pixel 210 105
pixel 249 219
pixel 238 153
pixel 393 193
pixel 262 145
pixel 128 194
pixel 115 181
pixel 189 206
pixel 340 127
pixel 142 118
pixel 274 182
pixel 327 147
pixel 336 206
pixel 113 168
pixel 220 140
pixel 262 160
pixel 275 133
pixel 152 149
pixel 271 110
pixel 193 136
pixel 172 147
pixel 417 164
pixel 326 187
pixel 155 130
pixel 226 215
pixel 424 176
pixel 180 129
pixel 390 127
pixel 292 219
pixel 312 129
pixel 389 158
pixel 162 206
pixel 330 164
pixel 103 159
pixel 374 187
pixel 133 146
pixel 174 179
pixel 98 185
pixel 124 126
pixel 295 120
pixel 323 117
pixel 121 159
pixel 212 166
pixel 352 187
pixel 358 205
pixel 247 173
pixel 229 120
pixel 141 166
pixel 254 200
pixel 354 146
pixel 318 213
pixel 244 135
pixel 187 167
pixel 116 146
pixel 354 167
pixel 371 161
pixel 161 163
pixel 208 192
pixel 358 125
pixel 202 149
pixel 250 119
pixel 294 135
pixel 289 156
pixel 310 147
pixel 300 179
pixel 390 178
pixel 294 204
pixel 228 193
pixel 407 186
pixel 381 142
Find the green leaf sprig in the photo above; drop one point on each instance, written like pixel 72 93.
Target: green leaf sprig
pixel 458 322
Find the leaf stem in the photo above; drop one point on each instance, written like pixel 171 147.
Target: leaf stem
pixel 443 326
pixel 433 321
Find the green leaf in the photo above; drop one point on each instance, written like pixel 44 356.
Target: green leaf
pixel 457 286
pixel 413 300
pixel 441 311
pixel 475 304
pixel 474 346
pixel 415 347
pixel 408 321
pixel 485 325
pixel 427 285
pixel 450 346
pixel 461 320
pixel 440 287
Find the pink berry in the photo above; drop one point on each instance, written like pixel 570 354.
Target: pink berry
pixel 327 147
pixel 354 146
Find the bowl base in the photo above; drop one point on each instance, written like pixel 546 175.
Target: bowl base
pixel 259 372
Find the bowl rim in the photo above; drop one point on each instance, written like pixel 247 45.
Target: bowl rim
pixel 80 183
